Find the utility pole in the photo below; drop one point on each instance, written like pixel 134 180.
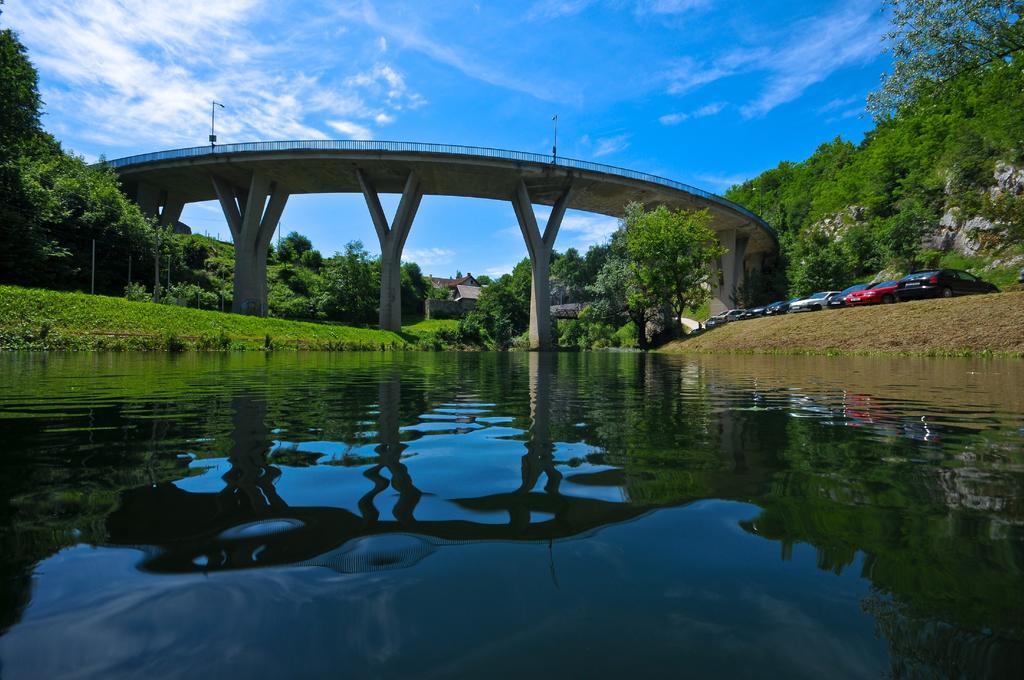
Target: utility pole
pixel 554 145
pixel 156 269
pixel 213 122
pixel 129 268
pixel 93 284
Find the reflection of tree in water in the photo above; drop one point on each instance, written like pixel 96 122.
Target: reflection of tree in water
pixel 931 648
pixel 942 567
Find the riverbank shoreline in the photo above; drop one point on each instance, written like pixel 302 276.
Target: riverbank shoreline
pixel 47 320
pixel 980 325
pixel 33 319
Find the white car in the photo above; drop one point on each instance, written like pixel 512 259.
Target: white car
pixel 814 302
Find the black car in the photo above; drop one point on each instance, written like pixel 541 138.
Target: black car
pixel 779 307
pixel 840 300
pixel 941 283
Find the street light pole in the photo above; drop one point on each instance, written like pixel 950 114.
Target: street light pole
pixel 213 122
pixel 554 145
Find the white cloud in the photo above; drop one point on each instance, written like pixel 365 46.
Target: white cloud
pixel 720 182
pixel 554 9
pixel 473 66
pixel 578 230
pixel 702 112
pixel 350 129
pixel 823 46
pixel 816 48
pixel 500 270
pixel 583 231
pixel 142 74
pixel 671 6
pixel 839 103
pixel 605 146
pixel 428 257
pixel 687 74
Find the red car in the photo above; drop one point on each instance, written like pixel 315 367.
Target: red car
pixel 883 292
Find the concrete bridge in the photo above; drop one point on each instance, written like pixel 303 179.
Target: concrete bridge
pixel 253 181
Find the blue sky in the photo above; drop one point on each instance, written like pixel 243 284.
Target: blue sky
pixel 707 92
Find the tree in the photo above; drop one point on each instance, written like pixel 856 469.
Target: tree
pixel 671 253
pixel 20 102
pixel 349 288
pixel 934 41
pixel 901 235
pixel 817 263
pixel 616 295
pixel 415 288
pixel 569 271
pixel 503 310
pixel 293 247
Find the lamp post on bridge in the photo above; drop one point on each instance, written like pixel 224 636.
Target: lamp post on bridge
pixel 554 145
pixel 213 122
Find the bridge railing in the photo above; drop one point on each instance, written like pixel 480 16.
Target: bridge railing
pixel 421 147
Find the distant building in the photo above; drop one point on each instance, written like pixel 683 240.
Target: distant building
pixel 452 284
pixel 463 294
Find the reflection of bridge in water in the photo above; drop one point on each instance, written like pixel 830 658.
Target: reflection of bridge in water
pixel 248 524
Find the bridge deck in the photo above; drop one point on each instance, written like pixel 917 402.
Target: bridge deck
pixel 328 166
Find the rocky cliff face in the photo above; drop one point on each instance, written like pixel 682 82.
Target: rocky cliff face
pixel 969 234
pixel 836 225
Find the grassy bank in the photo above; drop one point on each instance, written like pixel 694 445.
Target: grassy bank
pixel 44 319
pixel 976 325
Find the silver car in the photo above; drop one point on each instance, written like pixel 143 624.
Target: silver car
pixel 814 302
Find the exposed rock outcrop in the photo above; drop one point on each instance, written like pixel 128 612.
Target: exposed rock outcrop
pixel 837 224
pixel 967 236
pixel 1009 180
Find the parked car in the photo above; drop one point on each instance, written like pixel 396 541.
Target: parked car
pixel 735 314
pixel 814 302
pixel 754 313
pixel 716 320
pixel 882 292
pixel 779 307
pixel 941 283
pixel 840 300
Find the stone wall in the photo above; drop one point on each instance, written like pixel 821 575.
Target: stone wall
pixel 448 309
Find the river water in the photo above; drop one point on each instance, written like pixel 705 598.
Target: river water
pixel 575 515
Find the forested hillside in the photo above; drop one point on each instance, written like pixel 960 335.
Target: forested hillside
pixel 940 182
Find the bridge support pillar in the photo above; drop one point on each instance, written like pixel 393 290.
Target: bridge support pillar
pixel 392 241
pixel 732 269
pixel 252 214
pixel 539 246
pixel 166 206
pixel 724 278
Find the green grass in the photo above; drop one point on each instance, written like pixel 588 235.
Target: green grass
pixel 430 326
pixel 44 319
